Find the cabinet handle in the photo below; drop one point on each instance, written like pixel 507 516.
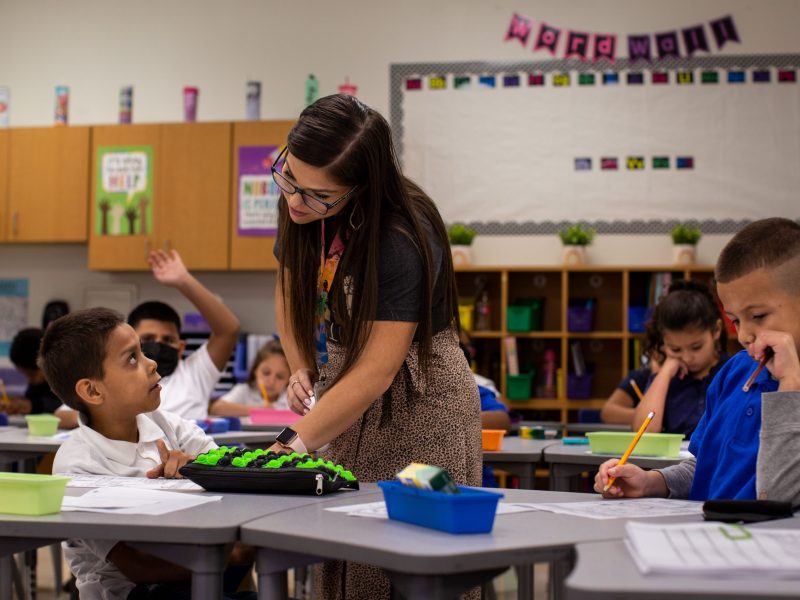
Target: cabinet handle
pixel 146 248
pixel 14 223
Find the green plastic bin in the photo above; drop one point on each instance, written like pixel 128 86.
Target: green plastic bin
pixel 31 494
pixel 652 444
pixel 518 387
pixel 525 315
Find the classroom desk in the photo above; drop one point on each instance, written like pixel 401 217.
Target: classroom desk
pixel 248 426
pixel 519 457
pixel 574 428
pixel 421 562
pixel 566 462
pixel 606 571
pixel 198 538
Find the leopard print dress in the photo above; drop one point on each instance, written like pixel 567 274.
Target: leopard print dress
pixel 434 420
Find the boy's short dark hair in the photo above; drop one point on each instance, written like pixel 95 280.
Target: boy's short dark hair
pixel 768 243
pixel 157 311
pixel 25 348
pixel 74 348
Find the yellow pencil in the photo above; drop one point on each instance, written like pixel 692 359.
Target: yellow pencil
pixel 635 441
pixel 636 389
pixel 264 394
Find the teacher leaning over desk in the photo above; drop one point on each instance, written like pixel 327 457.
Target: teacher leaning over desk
pixel 367 312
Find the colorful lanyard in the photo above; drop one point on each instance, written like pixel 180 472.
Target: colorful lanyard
pixel 327 271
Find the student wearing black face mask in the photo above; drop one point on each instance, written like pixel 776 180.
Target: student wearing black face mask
pixel 186 385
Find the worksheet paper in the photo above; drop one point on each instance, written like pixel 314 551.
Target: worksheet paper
pixel 134 501
pixel 714 549
pixel 622 509
pixel 377 510
pixel 112 481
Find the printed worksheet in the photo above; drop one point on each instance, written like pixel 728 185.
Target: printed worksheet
pixel 714 549
pixel 133 501
pixel 111 481
pixel 622 509
pixel 377 510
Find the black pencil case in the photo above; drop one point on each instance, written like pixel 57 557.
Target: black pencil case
pixel 746 511
pixel 261 472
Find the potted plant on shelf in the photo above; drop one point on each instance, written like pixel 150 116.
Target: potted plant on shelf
pixel 575 239
pixel 684 240
pixel 461 238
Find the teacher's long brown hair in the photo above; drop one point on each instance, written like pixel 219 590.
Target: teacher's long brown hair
pixel 353 144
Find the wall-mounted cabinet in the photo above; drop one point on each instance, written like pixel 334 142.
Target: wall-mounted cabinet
pixel 190 197
pixel 48 179
pixel 4 135
pixel 252 253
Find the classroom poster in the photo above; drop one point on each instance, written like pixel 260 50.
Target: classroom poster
pixel 257 213
pixel 13 311
pixel 124 190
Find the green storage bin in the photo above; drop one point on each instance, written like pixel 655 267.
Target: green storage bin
pixel 518 387
pixel 525 315
pixel 31 494
pixel 666 445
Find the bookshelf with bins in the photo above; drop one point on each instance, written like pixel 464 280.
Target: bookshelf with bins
pixel 609 347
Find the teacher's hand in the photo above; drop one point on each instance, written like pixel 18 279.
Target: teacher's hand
pixel 301 388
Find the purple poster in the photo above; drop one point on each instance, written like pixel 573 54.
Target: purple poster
pixel 258 194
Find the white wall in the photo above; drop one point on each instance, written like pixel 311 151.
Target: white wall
pixel 96 46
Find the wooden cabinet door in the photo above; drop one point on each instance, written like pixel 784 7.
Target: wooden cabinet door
pixel 194 183
pixel 48 179
pixel 113 251
pixel 251 253
pixel 3 183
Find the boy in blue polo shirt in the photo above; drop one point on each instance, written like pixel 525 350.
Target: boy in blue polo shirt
pixel 747 444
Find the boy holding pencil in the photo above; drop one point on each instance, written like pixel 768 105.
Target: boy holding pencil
pixel 747 444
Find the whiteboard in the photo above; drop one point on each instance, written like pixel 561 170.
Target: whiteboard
pixel 506 158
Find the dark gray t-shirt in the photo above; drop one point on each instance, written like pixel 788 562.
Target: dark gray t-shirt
pixel 400 279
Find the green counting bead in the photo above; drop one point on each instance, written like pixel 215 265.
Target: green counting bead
pixel 239 462
pixel 273 464
pixel 348 475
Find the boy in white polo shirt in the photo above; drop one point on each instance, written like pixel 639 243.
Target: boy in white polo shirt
pixel 93 361
pixel 187 384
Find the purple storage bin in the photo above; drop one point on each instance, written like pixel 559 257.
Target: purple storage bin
pixel 579 387
pixel 579 318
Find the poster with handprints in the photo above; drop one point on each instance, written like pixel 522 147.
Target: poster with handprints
pixel 124 190
pixel 13 311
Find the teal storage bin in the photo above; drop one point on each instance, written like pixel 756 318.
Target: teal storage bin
pixel 470 511
pixel 525 315
pixel 518 387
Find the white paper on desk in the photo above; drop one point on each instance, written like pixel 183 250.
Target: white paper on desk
pixel 135 501
pixel 714 549
pixel 622 509
pixel 112 481
pixel 377 510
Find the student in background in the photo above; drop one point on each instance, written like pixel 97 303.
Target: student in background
pixel 187 384
pixel 747 445
pixel 39 398
pixel 269 375
pixel 93 360
pixel 620 406
pixel 687 337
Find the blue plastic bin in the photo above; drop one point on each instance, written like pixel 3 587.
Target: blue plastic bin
pixel 471 511
pixel 580 318
pixel 213 425
pixel 234 423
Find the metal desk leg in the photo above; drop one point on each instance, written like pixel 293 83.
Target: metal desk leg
pixel 205 562
pixel 271 566
pixel 559 570
pixel 524 582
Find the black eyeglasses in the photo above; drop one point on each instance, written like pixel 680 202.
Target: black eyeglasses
pixel 315 203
